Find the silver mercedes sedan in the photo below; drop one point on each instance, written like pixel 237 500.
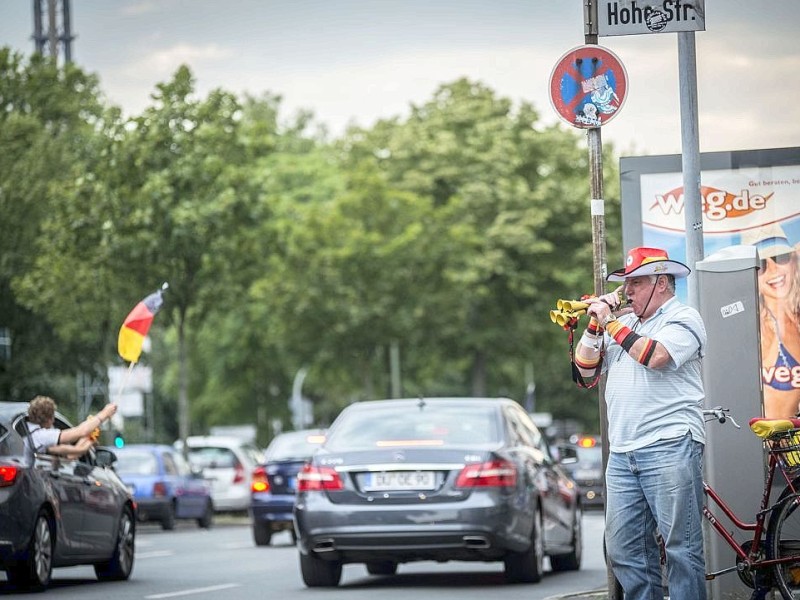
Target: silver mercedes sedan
pixel 467 479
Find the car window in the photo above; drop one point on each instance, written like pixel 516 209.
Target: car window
pixel 375 426
pixel 13 444
pixel 213 458
pixel 170 468
pixel 133 462
pixel 253 454
pixel 181 465
pixel 297 444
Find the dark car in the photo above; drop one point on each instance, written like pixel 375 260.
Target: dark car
pixel 59 512
pixel 588 470
pixel 274 483
pixel 164 486
pixel 468 479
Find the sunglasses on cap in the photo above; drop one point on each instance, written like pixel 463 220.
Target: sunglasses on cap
pixel 780 259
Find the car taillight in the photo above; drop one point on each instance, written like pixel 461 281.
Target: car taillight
pixel 8 475
pixel 159 489
pixel 318 479
pixel 260 482
pixel 238 474
pixel 492 473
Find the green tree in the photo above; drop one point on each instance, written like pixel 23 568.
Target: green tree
pixel 515 196
pixel 51 127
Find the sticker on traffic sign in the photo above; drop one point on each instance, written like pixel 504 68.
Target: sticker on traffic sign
pixel 588 86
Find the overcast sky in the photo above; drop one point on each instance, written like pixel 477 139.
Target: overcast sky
pixel 360 60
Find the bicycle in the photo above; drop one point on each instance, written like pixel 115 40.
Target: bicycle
pixel 771 558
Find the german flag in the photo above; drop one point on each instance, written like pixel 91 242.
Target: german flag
pixel 136 325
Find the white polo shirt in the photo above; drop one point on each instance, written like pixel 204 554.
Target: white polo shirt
pixel 647 405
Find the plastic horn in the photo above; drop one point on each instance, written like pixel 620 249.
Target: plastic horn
pixel 565 317
pixel 573 305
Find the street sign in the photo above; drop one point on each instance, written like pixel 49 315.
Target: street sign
pixel 631 17
pixel 588 86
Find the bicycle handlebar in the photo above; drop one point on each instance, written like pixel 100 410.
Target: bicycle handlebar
pixel 720 414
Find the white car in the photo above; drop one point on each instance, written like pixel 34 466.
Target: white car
pixel 228 464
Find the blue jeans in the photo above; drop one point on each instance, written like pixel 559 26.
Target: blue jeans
pixel 659 487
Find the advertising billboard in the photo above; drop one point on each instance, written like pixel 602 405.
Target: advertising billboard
pixel 751 198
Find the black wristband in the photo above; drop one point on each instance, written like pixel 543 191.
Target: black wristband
pixel 629 341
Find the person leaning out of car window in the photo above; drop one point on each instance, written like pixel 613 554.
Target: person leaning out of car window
pixel 70 443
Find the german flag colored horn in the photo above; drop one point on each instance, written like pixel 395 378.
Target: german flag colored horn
pixel 571 305
pixel 562 318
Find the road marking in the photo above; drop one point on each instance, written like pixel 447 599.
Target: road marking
pixel 213 588
pixel 155 554
pixel 236 545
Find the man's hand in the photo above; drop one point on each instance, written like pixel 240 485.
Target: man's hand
pixel 613 299
pixel 598 309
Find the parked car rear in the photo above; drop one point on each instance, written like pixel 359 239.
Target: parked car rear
pixel 59 512
pixel 228 463
pixel 468 479
pixel 164 486
pixel 275 482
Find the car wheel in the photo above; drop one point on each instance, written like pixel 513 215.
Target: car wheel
pixel 527 566
pixel 572 560
pixel 262 534
pixel 320 573
pixel 168 522
pixel 207 520
pixel 36 571
pixel 383 567
pixel 121 564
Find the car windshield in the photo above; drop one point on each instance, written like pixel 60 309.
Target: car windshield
pixel 428 425
pixel 132 462
pixel 299 444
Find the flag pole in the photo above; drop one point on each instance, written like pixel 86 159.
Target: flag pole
pixel 125 381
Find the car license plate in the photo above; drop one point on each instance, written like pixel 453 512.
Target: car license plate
pixel 399 480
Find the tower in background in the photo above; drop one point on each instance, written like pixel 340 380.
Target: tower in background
pixel 51 28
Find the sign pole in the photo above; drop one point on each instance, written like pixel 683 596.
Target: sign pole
pixel 690 158
pixel 599 262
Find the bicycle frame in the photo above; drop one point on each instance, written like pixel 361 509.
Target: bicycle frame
pixel 750 559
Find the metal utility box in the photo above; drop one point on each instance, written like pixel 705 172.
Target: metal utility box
pixel 734 458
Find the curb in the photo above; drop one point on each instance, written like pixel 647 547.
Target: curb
pixel 588 595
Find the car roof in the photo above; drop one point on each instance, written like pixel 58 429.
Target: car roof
pixel 216 440
pixel 12 409
pixel 9 410
pixel 436 400
pixel 147 447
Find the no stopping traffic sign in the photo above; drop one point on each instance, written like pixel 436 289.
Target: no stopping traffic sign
pixel 588 86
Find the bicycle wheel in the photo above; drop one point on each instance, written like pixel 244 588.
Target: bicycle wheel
pixel 783 542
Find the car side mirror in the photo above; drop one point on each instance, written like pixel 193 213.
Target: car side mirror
pixel 104 457
pixel 567 455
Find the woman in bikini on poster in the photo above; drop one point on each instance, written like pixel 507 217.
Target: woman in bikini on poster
pixel 779 296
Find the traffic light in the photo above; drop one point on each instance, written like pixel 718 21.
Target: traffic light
pixel 119 441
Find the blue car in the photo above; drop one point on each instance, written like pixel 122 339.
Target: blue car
pixel 164 486
pixel 275 482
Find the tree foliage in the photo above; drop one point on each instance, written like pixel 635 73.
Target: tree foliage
pixel 447 234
